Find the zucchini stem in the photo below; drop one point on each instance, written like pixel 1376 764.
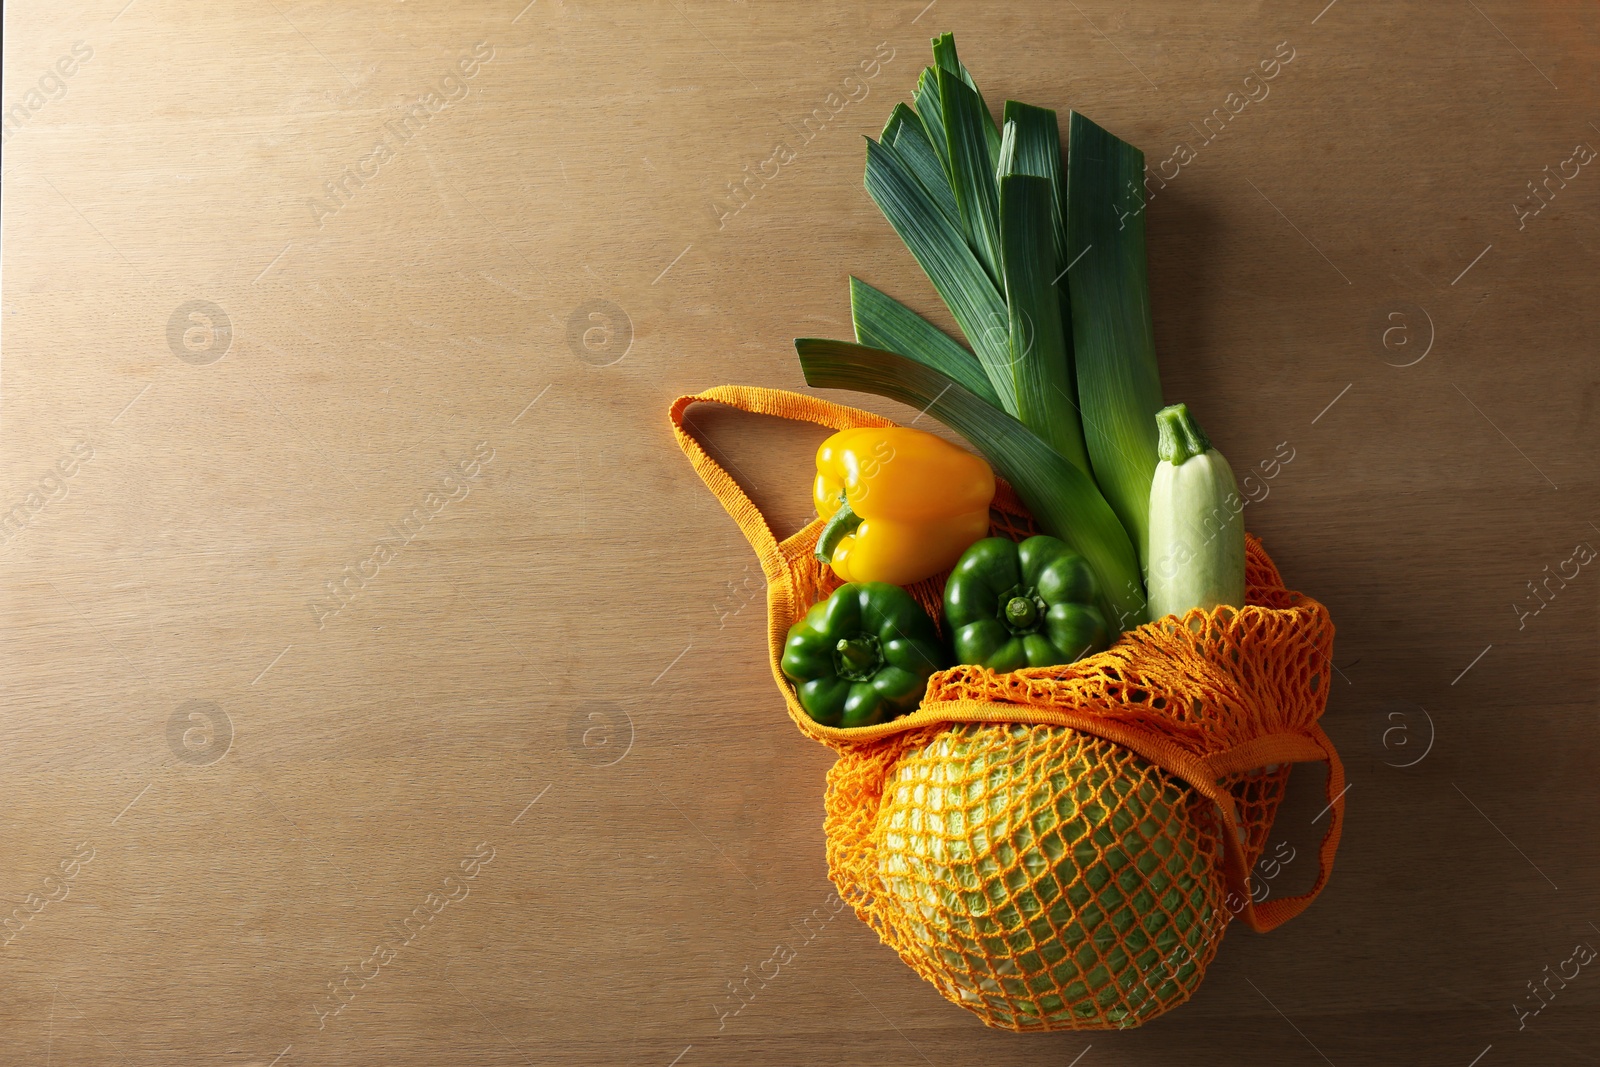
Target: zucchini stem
pixel 1178 437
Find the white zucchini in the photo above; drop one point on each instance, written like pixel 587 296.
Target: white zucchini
pixel 1195 556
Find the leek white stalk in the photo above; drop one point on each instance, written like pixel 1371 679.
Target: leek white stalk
pixel 1195 555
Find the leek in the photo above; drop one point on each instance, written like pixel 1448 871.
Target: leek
pixel 1113 339
pixel 942 252
pixel 1040 368
pixel 971 168
pixel 1031 144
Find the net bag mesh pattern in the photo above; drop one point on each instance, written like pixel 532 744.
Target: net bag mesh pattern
pixel 1063 847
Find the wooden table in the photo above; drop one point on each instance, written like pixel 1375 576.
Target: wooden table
pixel 352 574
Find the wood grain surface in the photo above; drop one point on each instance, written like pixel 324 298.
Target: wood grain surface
pixel 382 687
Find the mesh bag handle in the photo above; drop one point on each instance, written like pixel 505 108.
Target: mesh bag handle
pixel 732 497
pixel 1203 772
pixel 1314 746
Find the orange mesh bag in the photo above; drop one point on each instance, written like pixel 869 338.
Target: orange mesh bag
pixel 1061 848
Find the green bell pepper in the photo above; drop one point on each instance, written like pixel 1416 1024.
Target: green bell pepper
pixel 1033 604
pixel 862 656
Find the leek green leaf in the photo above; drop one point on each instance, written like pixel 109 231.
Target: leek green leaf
pixel 1040 369
pixel 942 252
pixel 944 55
pixel 931 111
pixel 1032 141
pixel 907 136
pixel 881 321
pixel 1005 161
pixel 1113 338
pixel 1036 139
pixel 971 169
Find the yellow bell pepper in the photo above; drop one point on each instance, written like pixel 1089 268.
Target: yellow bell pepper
pixel 901 504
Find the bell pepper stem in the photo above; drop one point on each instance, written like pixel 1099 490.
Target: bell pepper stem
pixel 1021 612
pixel 838 527
pixel 859 656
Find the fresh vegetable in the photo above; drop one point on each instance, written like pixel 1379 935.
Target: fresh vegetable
pixel 1062 498
pixel 901 504
pixel 1040 367
pixel 1113 339
pixel 1031 144
pixel 940 248
pixel 971 166
pixel 997 258
pixel 1195 556
pixel 1044 843
pixel 1037 261
pixel 1033 604
pixel 862 656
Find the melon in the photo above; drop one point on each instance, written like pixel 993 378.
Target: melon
pixel 1046 878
